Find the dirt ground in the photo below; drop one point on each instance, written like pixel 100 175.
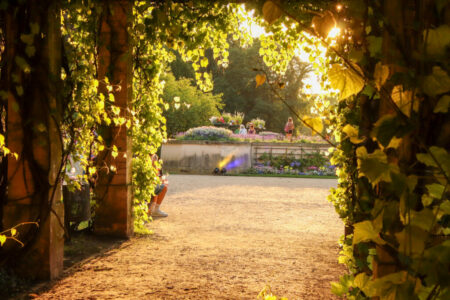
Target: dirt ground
pixel 225 238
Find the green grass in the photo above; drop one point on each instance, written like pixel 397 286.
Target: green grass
pixel 284 175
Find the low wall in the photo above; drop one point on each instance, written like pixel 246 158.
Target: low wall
pixel 202 157
pixel 297 150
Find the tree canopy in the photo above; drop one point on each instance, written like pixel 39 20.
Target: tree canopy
pixel 236 82
pixel 188 106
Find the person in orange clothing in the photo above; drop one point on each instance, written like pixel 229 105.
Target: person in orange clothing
pixel 160 192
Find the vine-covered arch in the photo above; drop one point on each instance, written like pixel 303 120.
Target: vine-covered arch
pixel 391 125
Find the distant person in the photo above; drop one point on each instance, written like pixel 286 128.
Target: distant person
pixel 289 129
pixel 251 129
pixel 242 129
pixel 160 191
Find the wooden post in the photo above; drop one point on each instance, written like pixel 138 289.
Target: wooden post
pixel 113 190
pixel 32 132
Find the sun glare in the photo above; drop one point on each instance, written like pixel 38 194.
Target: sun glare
pixel 312 81
pixel 248 25
pixel 334 33
pixel 256 31
pixel 312 84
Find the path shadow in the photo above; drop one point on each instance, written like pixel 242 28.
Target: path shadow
pixel 83 247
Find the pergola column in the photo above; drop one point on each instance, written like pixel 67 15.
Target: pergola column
pixel 33 118
pixel 113 190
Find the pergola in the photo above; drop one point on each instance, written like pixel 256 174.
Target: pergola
pixel 33 178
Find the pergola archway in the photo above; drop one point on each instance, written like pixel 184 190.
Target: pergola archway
pixel 392 122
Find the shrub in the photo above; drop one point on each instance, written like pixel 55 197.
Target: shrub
pixel 237 118
pixel 208 133
pixel 188 106
pixel 259 124
pixel 228 119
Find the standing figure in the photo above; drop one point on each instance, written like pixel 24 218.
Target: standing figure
pixel 242 129
pixel 160 192
pixel 289 129
pixel 251 129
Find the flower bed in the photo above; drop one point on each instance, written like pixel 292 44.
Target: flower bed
pixel 207 133
pixel 227 119
pixel 311 164
pixel 262 136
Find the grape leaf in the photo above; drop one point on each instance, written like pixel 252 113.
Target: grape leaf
pixel 315 123
pixel 374 166
pixel 387 127
pixel 204 62
pixel 380 75
pixel 271 12
pixel 375 43
pixel 364 232
pixel 324 24
pixel 437 83
pixel 2 239
pixel 441 156
pixel 346 80
pixel 442 105
pixel 411 240
pixel 437 40
pixel 260 79
pixel 435 190
pixel 352 133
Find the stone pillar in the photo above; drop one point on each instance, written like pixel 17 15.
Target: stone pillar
pixel 113 190
pixel 33 118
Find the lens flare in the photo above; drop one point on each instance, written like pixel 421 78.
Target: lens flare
pixel 225 161
pixel 235 163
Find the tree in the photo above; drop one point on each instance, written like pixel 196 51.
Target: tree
pixel 188 106
pixel 237 83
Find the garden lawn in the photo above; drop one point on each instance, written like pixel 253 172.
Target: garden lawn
pixel 226 237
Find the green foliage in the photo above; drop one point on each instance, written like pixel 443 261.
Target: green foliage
pixel 259 124
pixel 348 80
pixel 237 84
pixel 85 109
pixel 394 176
pixel 188 106
pixel 158 31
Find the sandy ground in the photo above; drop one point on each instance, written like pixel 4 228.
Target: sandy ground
pixel 225 238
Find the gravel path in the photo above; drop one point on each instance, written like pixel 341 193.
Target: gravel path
pixel 225 238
